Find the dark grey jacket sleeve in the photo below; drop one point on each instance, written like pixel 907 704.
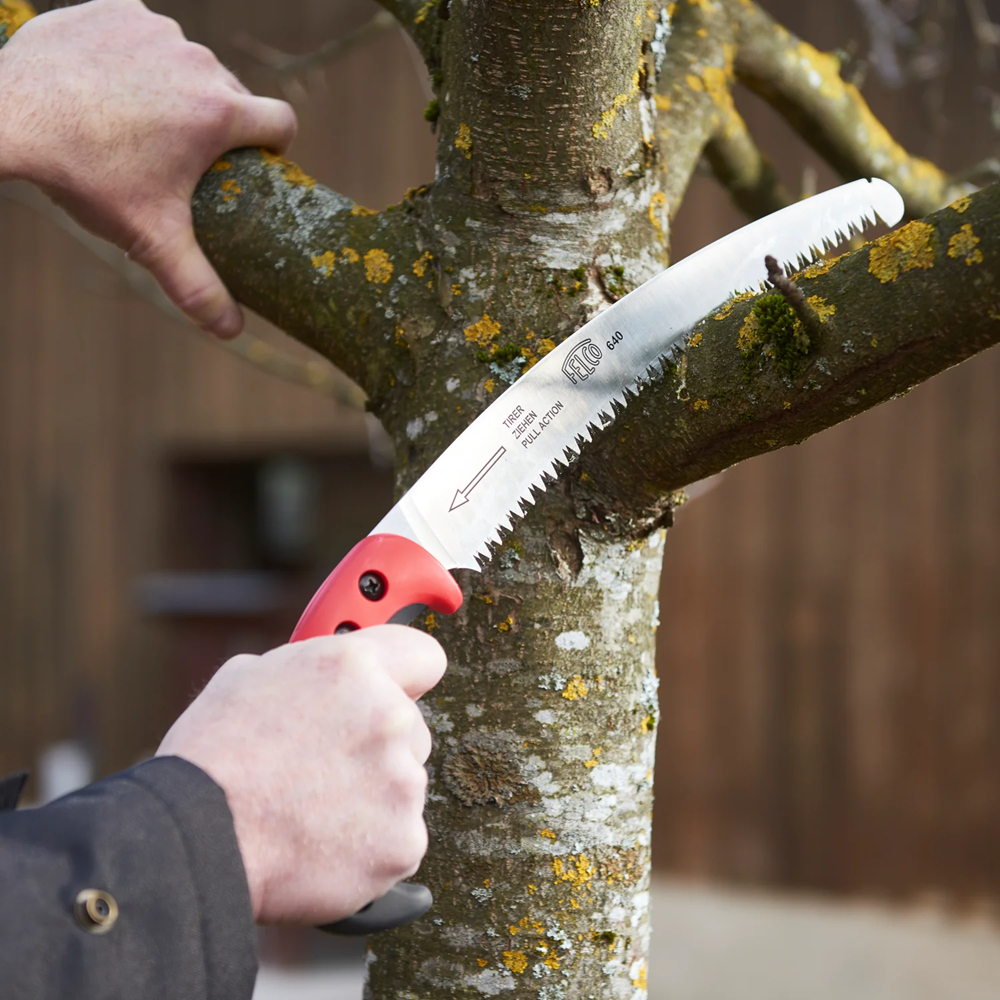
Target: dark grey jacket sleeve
pixel 131 888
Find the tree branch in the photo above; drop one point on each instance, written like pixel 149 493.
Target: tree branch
pixel 907 306
pixel 742 169
pixel 804 85
pixel 422 20
pixel 317 265
pixel 693 99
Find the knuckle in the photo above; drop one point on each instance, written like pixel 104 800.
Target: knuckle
pixel 407 781
pixel 200 55
pixel 408 848
pixel 395 723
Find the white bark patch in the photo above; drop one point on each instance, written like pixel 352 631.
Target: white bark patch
pixel 572 640
pixel 545 717
pixel 623 777
pixel 437 722
pixel 452 384
pixel 490 982
pixel 415 428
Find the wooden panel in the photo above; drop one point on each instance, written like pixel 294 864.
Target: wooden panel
pixel 98 393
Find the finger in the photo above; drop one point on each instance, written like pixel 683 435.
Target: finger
pixel 177 262
pixel 263 121
pixel 414 660
pixel 232 80
pixel 421 740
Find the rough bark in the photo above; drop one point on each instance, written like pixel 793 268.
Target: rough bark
pixel 568 133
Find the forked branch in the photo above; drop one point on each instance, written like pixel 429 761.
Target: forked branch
pixel 907 306
pixel 316 264
pixel 805 86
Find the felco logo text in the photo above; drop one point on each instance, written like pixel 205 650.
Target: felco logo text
pixel 582 362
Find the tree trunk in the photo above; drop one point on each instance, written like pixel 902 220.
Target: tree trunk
pixel 568 134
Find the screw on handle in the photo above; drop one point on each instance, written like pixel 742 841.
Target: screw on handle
pixel 383 578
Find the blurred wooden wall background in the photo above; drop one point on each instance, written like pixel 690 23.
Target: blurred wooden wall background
pixel 830 646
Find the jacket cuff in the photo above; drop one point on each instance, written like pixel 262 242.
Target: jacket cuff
pixel 201 815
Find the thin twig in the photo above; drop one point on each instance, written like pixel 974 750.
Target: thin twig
pixel 315 374
pixel 794 297
pixel 289 68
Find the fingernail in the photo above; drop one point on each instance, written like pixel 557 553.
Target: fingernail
pixel 228 326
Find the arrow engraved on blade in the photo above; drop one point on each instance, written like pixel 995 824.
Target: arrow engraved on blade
pixel 462 496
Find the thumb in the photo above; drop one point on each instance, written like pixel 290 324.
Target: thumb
pixel 174 258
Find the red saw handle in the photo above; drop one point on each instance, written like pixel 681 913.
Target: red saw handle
pixel 375 583
pixel 384 578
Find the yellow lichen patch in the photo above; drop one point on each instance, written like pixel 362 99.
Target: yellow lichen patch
pixel 546 345
pixel 601 129
pixel 260 352
pixel 657 204
pixel 230 190
pixel 906 249
pixel 530 357
pixel 700 404
pixel 821 307
pixel 292 173
pixel 532 889
pixel 378 267
pixel 430 622
pixel 640 982
pixel 786 405
pixel 463 141
pixel 696 340
pixel 506 624
pixel 420 264
pixel 221 165
pixel 593 762
pixel 484 332
pixel 963 244
pixel 824 70
pixel 705 5
pixel 647 725
pixel 361 210
pixel 718 85
pixel 424 11
pixel 401 340
pixel 961 205
pixel 724 312
pixel 482 963
pixel 15 13
pixel 694 82
pixel 663 102
pixel 552 960
pixel 490 384
pixel 516 961
pixel 456 289
pixel 325 262
pixel 749 335
pixel 349 255
pixel 822 266
pixel 575 689
pixel 551 834
pixel 578 872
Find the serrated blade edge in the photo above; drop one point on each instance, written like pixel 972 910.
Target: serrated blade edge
pixel 475 489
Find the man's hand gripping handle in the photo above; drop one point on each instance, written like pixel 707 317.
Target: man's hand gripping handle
pixel 383 579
